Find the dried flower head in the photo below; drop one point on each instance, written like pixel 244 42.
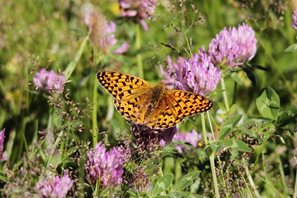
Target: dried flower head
pixel 107 166
pixel 55 187
pixel 49 81
pixel 294 20
pixel 197 74
pixel 189 137
pixel 3 155
pixel 102 32
pixel 149 139
pixel 139 10
pixel 233 46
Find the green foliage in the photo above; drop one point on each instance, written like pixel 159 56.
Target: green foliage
pixel 250 149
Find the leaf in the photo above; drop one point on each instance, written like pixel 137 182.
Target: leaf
pixel 268 104
pixel 215 146
pixel 291 48
pixel 162 184
pixel 236 145
pixel 186 180
pixel 180 194
pixel 236 78
pixel 71 66
pixel 228 125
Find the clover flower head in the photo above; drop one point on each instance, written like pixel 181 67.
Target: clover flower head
pixel 106 165
pixel 55 187
pixel 197 74
pixel 49 81
pixel 140 10
pixel 233 46
pixel 102 32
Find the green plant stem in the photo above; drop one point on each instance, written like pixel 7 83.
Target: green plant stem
pixel 295 187
pixel 138 47
pixel 54 147
pixel 210 126
pixel 211 158
pixel 72 65
pixel 251 181
pixel 204 128
pixel 225 94
pixel 94 112
pixel 214 175
pixel 281 170
pixel 96 192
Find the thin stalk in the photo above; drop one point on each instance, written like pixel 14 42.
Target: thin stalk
pixel 94 113
pixel 214 175
pixel 210 126
pixel 96 192
pixel 204 128
pixel 214 139
pixel 225 94
pixel 211 159
pixel 295 187
pixel 138 47
pixel 234 93
pixel 54 147
pixel 281 170
pixel 251 181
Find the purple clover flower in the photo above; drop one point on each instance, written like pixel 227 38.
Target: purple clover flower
pixel 49 81
pixel 107 166
pixel 140 10
pixel 197 74
pixel 188 137
pixel 294 20
pixel 233 46
pixel 102 32
pixel 55 187
pixel 3 155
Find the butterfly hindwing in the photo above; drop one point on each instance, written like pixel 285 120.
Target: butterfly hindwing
pixel 176 105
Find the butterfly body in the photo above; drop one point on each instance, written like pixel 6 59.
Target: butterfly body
pixel 154 106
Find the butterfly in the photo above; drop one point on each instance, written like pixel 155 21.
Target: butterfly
pixel 151 105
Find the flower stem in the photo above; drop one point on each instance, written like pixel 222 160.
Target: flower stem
pixel 138 47
pixel 204 128
pixel 225 94
pixel 214 176
pixel 210 126
pixel 211 157
pixel 295 187
pixel 94 113
pixel 251 181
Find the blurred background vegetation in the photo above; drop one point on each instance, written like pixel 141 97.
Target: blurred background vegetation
pixel 48 34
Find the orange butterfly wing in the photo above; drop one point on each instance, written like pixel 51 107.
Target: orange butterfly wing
pixel 174 106
pixel 129 92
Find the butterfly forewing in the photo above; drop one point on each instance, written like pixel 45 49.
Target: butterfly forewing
pixel 129 93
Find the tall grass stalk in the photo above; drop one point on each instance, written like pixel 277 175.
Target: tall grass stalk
pixel 138 47
pixel 94 111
